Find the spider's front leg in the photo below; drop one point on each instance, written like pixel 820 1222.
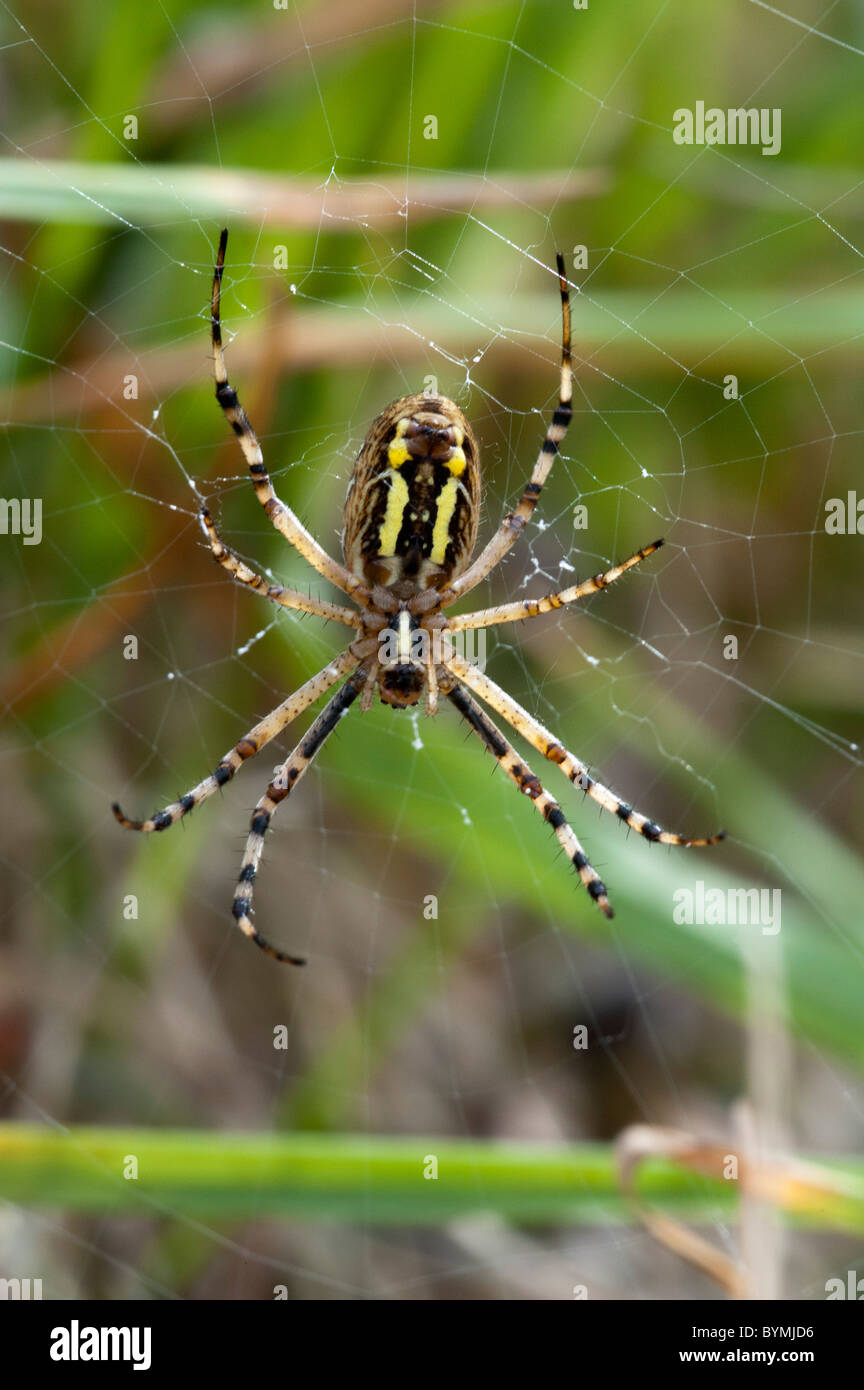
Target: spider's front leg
pixel 251 743
pixel 431 688
pixel 286 778
pixel 437 648
pixel 520 773
pixel 572 767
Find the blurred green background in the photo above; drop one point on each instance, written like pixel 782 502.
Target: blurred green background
pixel 364 258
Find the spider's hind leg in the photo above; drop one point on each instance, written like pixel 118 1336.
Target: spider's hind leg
pixel 281 515
pixel 515 522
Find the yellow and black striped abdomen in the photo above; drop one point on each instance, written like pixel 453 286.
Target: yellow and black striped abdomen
pixel 412 507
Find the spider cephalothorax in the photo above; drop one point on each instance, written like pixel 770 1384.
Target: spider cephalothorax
pixel 410 528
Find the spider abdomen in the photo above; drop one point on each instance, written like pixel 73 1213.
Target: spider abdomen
pixel 412 507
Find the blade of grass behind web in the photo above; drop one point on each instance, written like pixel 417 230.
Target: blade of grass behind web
pixel 349 1177
pixel 138 194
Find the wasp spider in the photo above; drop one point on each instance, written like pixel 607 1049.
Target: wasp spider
pixel 410 528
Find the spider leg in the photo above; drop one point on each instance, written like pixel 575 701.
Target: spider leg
pixel 540 738
pixel 257 738
pixel 286 598
pixel 532 607
pixel 286 777
pixel 282 517
pixel 431 688
pixel 515 521
pixel 520 773
pixel 370 685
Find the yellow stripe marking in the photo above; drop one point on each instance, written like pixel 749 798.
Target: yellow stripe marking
pixel 397 501
pixel 397 454
pixel 443 516
pixel 457 462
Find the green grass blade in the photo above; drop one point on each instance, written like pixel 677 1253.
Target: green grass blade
pixel 352 1177
pixel 140 194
